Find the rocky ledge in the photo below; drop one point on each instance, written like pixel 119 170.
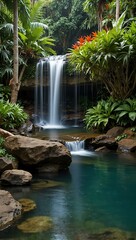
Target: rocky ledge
pixel 116 139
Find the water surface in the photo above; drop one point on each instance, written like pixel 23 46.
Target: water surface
pixel 98 192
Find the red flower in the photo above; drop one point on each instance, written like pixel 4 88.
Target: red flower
pixel 94 35
pixel 81 40
pixel 88 38
pixel 75 46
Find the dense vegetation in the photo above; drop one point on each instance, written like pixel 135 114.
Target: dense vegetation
pixel 105 51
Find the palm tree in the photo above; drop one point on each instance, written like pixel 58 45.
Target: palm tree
pixel 14 5
pixel 29 32
pixel 117 9
pixel 14 83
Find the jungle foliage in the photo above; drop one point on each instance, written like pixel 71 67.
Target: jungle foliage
pixel 109 56
pixel 66 21
pixel 11 115
pixel 109 113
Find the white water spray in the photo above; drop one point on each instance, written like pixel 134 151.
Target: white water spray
pixel 54 67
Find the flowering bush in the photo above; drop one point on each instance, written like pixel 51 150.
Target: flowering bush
pixel 109 56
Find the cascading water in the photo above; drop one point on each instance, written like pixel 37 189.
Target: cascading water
pixel 59 96
pixel 78 148
pixel 75 145
pixel 54 67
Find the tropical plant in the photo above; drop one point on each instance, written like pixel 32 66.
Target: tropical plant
pixel 11 115
pixel 120 137
pixel 101 116
pixel 108 113
pixel 109 57
pixel 32 42
pixel 127 112
pixel 4 92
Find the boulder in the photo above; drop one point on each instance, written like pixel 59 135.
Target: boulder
pixel 6 164
pixel 16 177
pixel 10 209
pixel 104 140
pixel 127 145
pixel 33 152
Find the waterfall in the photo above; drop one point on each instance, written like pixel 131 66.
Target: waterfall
pixel 56 72
pixel 59 101
pixel 49 116
pixel 78 148
pixel 75 145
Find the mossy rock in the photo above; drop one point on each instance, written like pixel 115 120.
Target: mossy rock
pixel 45 184
pixel 27 204
pixel 36 224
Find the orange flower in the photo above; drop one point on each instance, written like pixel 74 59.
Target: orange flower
pixel 75 46
pixel 94 35
pixel 88 38
pixel 81 40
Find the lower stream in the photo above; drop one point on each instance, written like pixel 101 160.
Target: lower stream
pixel 97 194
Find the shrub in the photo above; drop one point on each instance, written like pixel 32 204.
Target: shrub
pixel 109 57
pixel 127 112
pixel 108 113
pixel 11 115
pixel 102 115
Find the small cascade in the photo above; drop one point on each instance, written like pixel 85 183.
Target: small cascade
pixel 75 146
pixel 78 148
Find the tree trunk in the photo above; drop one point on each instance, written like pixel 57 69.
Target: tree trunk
pixel 117 9
pixel 15 83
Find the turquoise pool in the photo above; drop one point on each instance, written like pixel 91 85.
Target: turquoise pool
pixel 97 193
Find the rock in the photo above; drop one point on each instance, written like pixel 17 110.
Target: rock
pixel 26 128
pixel 36 224
pixel 107 235
pixel 103 149
pixel 27 204
pixel 115 131
pixel 4 133
pixel 104 140
pixel 10 209
pixel 33 152
pixel 16 177
pixel 46 184
pixel 127 145
pixel 6 164
pixel 130 133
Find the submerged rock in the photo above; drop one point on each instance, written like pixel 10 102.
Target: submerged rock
pixel 35 153
pixel 46 184
pixel 107 235
pixel 10 209
pixel 36 224
pixel 27 204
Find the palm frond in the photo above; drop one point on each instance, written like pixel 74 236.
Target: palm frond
pixel 37 10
